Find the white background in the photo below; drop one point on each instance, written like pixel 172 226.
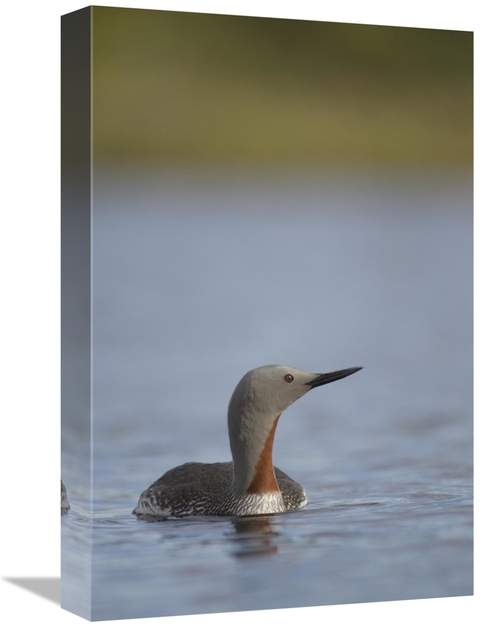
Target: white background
pixel 29 312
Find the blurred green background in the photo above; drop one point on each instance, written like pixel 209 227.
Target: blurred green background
pixel 218 90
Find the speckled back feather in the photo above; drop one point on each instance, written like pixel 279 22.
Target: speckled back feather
pixel 195 489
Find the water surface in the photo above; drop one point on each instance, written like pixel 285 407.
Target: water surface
pixel 197 280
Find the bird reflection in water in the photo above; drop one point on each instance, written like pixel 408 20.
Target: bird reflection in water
pixel 254 535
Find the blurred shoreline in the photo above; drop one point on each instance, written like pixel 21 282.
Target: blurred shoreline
pixel 214 90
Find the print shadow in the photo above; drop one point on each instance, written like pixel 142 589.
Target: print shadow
pixel 47 587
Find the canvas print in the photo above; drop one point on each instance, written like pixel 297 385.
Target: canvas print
pixel 266 313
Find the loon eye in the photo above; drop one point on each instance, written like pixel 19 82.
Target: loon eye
pixel 288 378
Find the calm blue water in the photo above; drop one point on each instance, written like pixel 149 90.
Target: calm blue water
pixel 199 279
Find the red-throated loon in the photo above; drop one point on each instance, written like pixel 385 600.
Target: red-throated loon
pixel 64 500
pixel 250 484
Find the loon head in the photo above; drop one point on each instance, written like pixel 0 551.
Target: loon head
pixel 256 404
